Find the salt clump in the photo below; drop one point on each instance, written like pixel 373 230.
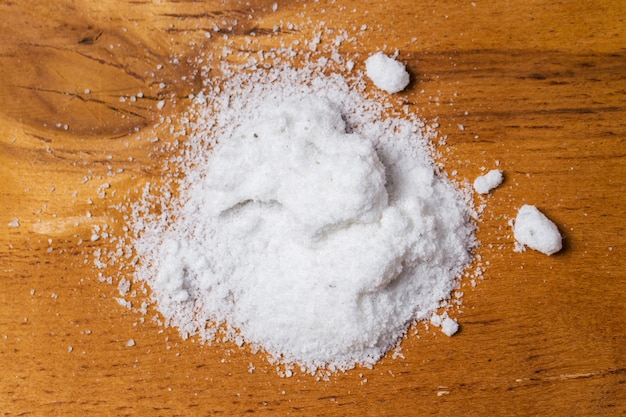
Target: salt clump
pixel 387 73
pixel 533 229
pixel 449 326
pixel 485 183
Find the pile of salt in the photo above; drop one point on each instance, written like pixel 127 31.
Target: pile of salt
pixel 315 229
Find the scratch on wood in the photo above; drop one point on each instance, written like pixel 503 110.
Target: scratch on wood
pixel 90 40
pixel 118 66
pixel 65 93
pixel 41 138
pixel 573 376
pixel 132 113
pixel 192 15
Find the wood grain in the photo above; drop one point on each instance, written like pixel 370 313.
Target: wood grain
pixel 538 86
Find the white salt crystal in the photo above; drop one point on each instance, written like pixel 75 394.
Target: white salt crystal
pixel 533 229
pixel 435 320
pixel 160 104
pixel 124 303
pixel 485 183
pixel 123 286
pixel 14 223
pixel 130 343
pixel 387 73
pixel 449 326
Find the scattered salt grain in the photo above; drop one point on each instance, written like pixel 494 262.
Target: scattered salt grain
pixel 387 73
pixel 533 229
pixel 485 183
pixel 14 223
pixel 130 343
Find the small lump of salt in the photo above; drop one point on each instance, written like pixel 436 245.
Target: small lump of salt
pixel 387 73
pixel 485 183
pixel 449 326
pixel 435 320
pixel 533 229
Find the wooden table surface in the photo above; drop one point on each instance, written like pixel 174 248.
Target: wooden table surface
pixel 539 86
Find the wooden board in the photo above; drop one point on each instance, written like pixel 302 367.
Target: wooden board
pixel 538 86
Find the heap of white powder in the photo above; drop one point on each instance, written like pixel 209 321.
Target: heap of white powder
pixel 307 225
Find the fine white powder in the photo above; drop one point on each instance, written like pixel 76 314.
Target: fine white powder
pixel 485 183
pixel 533 229
pixel 307 224
pixel 387 73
